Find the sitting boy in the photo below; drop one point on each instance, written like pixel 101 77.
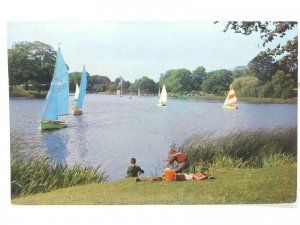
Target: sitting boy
pixel 133 169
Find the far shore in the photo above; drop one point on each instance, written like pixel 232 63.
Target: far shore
pixel 41 95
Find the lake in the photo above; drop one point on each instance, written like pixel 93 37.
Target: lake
pixel 113 129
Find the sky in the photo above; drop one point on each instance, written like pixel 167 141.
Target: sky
pixel 136 49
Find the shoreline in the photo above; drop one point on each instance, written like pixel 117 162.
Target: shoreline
pixel 254 100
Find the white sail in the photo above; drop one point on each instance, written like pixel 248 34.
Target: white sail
pixel 231 100
pixel 139 92
pixel 76 93
pixel 163 96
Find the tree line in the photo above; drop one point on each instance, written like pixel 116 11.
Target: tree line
pixel 271 73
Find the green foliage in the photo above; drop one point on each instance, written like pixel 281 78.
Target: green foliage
pixel 262 66
pixel 246 86
pixel 146 85
pixel 31 63
pixel 217 82
pixel 177 80
pixel 266 90
pixel 98 83
pixel 277 159
pixel 198 76
pixel 282 84
pixel 41 175
pixel 270 31
pixel 241 71
pixel 74 78
pixel 241 148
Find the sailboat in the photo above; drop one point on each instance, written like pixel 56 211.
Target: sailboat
pixel 77 106
pixel 231 100
pixel 57 100
pixel 139 92
pixel 162 101
pixel 76 92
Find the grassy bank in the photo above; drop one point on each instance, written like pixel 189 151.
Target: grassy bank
pixel 41 175
pixel 230 186
pixel 20 92
pixel 242 148
pixel 243 99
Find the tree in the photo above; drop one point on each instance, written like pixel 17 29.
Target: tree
pixel 241 71
pixel 217 82
pixel 262 66
pixel 74 78
pixel 198 76
pixel 178 80
pixel 282 85
pixel 246 86
pixel 31 62
pixel 269 32
pixel 146 85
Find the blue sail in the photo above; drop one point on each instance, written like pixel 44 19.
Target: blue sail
pixel 61 80
pixel 82 90
pixel 51 109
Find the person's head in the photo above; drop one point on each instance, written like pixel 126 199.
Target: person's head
pixel 133 161
pixel 172 149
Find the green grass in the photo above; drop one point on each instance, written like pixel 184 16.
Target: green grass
pixel 244 99
pixel 20 92
pixel 32 176
pixel 230 186
pixel 242 148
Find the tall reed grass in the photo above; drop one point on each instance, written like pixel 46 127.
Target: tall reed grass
pixel 41 175
pixel 242 148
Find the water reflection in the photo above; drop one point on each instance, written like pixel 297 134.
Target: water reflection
pixel 55 143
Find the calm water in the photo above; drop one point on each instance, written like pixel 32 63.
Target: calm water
pixel 113 129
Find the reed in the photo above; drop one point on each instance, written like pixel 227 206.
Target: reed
pixel 41 175
pixel 242 148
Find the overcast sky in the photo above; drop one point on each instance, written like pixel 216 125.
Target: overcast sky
pixel 136 49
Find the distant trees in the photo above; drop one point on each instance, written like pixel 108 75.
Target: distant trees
pixel 286 55
pixel 198 76
pixel 262 66
pixel 146 86
pixel 31 63
pixel 177 80
pixel 217 82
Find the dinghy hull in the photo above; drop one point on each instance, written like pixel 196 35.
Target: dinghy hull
pixel 76 112
pixel 52 125
pixel 230 107
pixel 161 104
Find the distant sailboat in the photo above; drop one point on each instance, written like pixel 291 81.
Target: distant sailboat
pixel 76 92
pixel 57 100
pixel 139 92
pixel 121 84
pixel 158 92
pixel 231 100
pixel 77 107
pixel 162 101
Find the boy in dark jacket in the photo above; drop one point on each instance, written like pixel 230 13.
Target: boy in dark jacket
pixel 133 169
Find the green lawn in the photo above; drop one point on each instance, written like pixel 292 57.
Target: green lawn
pixel 20 92
pixel 230 186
